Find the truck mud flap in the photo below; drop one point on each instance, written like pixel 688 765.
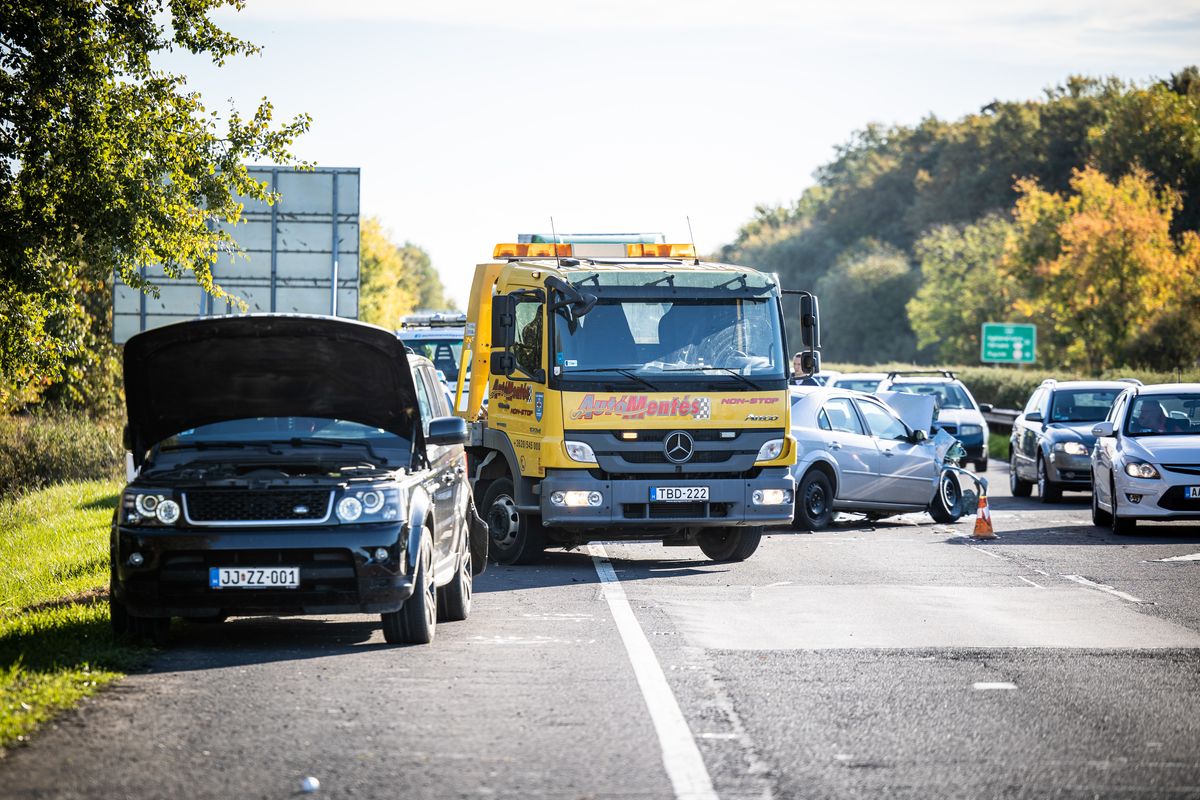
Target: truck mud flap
pixel 477 533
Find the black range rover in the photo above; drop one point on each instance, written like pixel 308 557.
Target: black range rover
pixel 287 464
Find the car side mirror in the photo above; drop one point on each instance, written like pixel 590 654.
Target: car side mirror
pixel 986 408
pixel 919 436
pixel 447 430
pixel 1033 416
pixel 1101 429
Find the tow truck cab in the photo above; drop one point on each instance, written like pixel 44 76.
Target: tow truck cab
pixel 632 391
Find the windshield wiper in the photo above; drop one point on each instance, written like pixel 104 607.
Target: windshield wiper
pixel 728 370
pixel 628 373
pixel 317 441
pixel 213 445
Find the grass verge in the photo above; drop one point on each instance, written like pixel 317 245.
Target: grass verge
pixel 55 644
pixel 998 446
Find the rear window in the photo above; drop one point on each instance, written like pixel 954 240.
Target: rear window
pixel 948 395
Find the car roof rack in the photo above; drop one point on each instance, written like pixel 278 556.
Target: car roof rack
pixel 904 373
pixel 1134 381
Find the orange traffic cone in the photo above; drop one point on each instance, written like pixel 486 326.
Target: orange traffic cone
pixel 983 521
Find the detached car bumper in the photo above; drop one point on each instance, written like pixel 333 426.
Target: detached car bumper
pixel 626 504
pixel 337 568
pixel 1157 498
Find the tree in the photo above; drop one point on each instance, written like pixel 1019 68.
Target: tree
pixel 1098 267
pixel 394 280
pixel 109 164
pixel 961 287
pixel 858 324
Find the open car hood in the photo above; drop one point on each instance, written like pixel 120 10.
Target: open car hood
pixel 195 373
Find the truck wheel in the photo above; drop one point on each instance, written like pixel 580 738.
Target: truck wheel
pixel 1017 486
pixel 416 621
pixel 945 506
pixel 729 544
pixel 516 538
pixel 814 502
pixel 454 602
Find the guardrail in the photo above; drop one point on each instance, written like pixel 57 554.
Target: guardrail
pixel 1001 419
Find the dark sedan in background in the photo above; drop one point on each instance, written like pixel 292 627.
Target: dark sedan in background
pixel 1051 442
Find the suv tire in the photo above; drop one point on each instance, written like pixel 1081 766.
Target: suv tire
pixel 1017 486
pixel 814 502
pixel 945 506
pixel 1100 517
pixel 416 621
pixel 454 604
pixel 1048 490
pixel 1121 526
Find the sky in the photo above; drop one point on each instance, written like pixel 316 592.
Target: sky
pixel 475 120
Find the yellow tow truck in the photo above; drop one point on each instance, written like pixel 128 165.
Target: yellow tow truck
pixel 620 388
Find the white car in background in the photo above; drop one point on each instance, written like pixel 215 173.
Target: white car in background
pixel 857 381
pixel 1146 463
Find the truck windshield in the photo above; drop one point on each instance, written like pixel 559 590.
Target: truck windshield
pixel 722 340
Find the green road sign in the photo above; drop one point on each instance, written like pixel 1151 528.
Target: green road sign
pixel 1008 343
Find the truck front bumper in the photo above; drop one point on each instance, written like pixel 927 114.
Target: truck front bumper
pixel 626 503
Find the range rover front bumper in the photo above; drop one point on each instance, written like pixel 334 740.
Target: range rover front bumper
pixel 339 573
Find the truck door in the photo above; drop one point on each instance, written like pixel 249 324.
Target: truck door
pixel 516 403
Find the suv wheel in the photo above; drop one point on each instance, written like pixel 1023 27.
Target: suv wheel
pixel 945 507
pixel 1048 490
pixel 1017 486
pixel 454 602
pixel 516 538
pixel 814 502
pixel 416 621
pixel 729 544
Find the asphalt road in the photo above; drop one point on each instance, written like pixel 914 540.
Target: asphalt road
pixel 899 659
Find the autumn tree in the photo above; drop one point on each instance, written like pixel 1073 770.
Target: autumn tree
pixel 859 325
pixel 109 163
pixel 1097 266
pixel 395 279
pixel 961 287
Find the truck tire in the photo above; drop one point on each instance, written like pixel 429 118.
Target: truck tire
pixel 416 621
pixel 814 502
pixel 945 508
pixel 729 544
pixel 516 538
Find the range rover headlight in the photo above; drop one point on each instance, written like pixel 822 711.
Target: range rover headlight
pixel 370 504
pixel 149 507
pixel 770 450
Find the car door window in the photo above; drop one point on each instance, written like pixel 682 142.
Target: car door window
pixel 1114 413
pixel 1034 401
pixel 838 415
pixel 437 397
pixel 882 423
pixel 423 401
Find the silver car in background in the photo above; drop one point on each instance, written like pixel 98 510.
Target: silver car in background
pixel 1146 463
pixel 857 454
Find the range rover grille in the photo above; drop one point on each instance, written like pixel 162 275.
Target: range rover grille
pixel 268 505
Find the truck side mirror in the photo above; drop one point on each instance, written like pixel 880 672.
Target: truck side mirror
pixel 504 321
pixel 810 321
pixel 810 362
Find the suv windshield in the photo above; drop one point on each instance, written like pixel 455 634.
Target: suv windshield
pixel 1082 405
pixel 648 341
pixel 284 429
pixel 1164 415
pixel 947 395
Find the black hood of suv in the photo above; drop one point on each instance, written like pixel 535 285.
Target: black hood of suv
pixel 195 373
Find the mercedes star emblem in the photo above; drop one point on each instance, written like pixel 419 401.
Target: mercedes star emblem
pixel 678 447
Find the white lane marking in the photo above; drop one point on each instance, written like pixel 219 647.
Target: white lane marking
pixel 1031 583
pixel 680 755
pixel 1192 557
pixel 1104 588
pixel 778 583
pixel 988 686
pixel 987 553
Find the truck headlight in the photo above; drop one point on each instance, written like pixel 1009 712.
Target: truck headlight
pixel 1140 469
pixel 970 430
pixel 149 507
pixel 771 497
pixel 770 450
pixel 580 451
pixel 1071 448
pixel 370 504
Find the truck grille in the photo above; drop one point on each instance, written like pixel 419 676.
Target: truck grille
pixel 217 506
pixel 674 510
pixel 659 457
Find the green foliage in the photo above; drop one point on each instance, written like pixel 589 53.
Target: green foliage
pixel 55 644
pixel 394 279
pixel 37 450
pixel 861 276
pixel 899 184
pixel 110 164
pixel 961 287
